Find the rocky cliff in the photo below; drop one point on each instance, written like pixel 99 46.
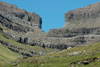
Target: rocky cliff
pixel 20 25
pixel 12 13
pixel 81 27
pixel 81 22
pixel 88 17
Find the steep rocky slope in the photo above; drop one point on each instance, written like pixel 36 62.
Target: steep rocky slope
pixel 87 17
pixel 82 24
pixel 25 27
pixel 21 25
pixel 81 27
pixel 80 21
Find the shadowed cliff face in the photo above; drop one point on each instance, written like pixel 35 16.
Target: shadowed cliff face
pixel 18 16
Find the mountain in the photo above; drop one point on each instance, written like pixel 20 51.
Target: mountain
pixel 24 44
pixel 18 28
pixel 82 25
pixel 22 25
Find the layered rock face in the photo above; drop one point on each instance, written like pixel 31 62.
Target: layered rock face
pixel 10 13
pixel 82 27
pixel 88 17
pixel 21 25
pixel 82 21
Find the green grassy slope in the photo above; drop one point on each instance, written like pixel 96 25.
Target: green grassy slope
pixel 89 57
pixel 7 55
pixel 25 46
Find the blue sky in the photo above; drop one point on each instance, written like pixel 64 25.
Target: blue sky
pixel 51 11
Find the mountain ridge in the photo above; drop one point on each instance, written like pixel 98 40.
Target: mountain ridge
pixel 75 44
pixel 25 28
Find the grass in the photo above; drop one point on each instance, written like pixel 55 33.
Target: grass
pixel 62 59
pixel 26 46
pixel 6 55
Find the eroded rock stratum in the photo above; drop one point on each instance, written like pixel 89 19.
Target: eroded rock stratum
pixel 82 26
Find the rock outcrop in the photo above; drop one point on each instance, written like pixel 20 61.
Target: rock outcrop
pixel 20 25
pixel 88 17
pixel 82 22
pixel 17 17
pixel 82 27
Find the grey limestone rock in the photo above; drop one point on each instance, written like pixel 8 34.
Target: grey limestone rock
pixel 82 26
